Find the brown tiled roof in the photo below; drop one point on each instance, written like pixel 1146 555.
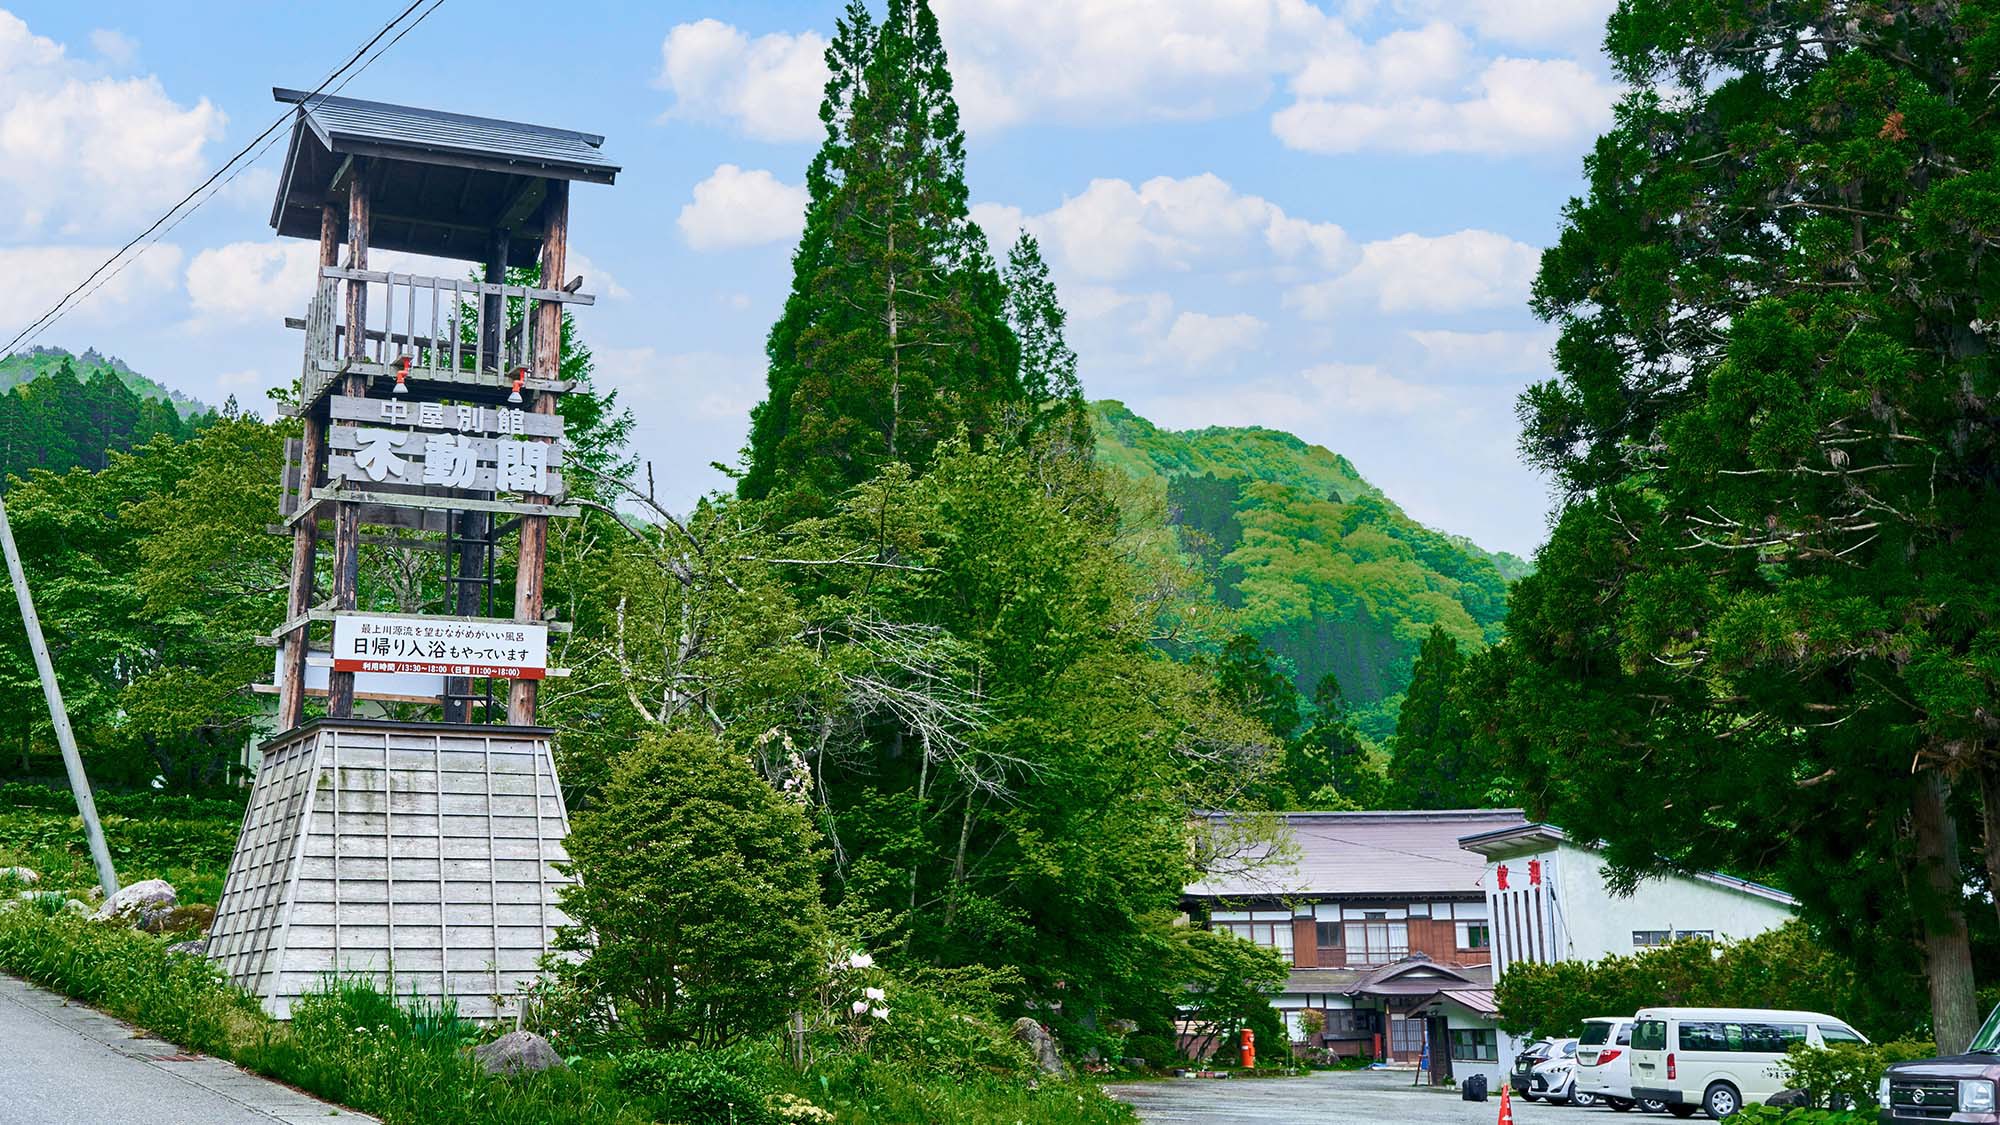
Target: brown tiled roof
pixel 1364 853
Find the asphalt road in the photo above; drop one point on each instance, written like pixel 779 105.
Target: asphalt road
pixel 1334 1098
pixel 65 1064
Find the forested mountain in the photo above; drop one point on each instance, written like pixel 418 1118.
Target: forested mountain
pixel 1318 563
pixel 61 411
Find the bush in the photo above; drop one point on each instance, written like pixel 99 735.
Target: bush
pixel 1848 1075
pixel 1764 1114
pixel 692 1089
pixel 698 907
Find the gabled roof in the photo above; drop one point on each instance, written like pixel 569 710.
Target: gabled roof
pixel 350 125
pixel 1418 975
pixel 445 184
pixel 1523 839
pixel 1477 1000
pixel 1414 854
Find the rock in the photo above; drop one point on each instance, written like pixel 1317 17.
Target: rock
pixel 195 948
pixel 515 1052
pixel 77 907
pixel 22 875
pixel 1132 1064
pixel 1791 1099
pixel 1039 1043
pixel 1121 1027
pixel 131 903
pixel 178 919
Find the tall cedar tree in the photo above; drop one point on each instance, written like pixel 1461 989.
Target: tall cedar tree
pixel 1054 406
pixel 895 333
pixel 1762 636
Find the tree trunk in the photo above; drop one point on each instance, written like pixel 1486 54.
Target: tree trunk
pixel 1989 800
pixel 895 350
pixel 1940 888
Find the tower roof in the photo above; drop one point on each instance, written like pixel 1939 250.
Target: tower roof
pixel 444 181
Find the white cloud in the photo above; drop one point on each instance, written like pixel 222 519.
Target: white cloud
pixel 1409 61
pixel 1490 353
pixel 1197 340
pixel 734 208
pixel 38 276
pixel 114 46
pixel 1095 61
pixel 769 87
pixel 83 152
pixel 269 280
pixel 1360 388
pixel 1570 24
pixel 710 385
pixel 597 281
pixel 249 379
pixel 1114 230
pixel 1512 106
pixel 1472 269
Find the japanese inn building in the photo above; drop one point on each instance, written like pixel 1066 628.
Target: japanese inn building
pixel 1398 923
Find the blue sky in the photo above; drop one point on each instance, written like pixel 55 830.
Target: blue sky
pixel 1320 218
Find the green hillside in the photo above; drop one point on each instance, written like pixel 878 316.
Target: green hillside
pixel 23 367
pixel 1309 556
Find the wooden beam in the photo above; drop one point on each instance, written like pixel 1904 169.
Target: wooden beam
pixel 522 694
pixel 305 533
pixel 347 515
pixel 446 503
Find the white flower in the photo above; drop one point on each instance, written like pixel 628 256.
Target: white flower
pixel 874 994
pixel 860 1006
pixel 881 1013
pixel 860 961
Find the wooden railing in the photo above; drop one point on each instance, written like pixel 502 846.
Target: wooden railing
pixel 437 329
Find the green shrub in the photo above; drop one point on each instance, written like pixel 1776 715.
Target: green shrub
pixel 1849 1074
pixel 1766 1115
pixel 691 1088
pixel 698 909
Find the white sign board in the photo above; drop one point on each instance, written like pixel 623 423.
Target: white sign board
pixel 440 645
pixel 445 445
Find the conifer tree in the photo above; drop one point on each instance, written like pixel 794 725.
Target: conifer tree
pixel 1054 398
pixel 895 333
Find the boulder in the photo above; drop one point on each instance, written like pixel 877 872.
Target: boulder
pixel 178 919
pixel 1040 1044
pixel 515 1052
pixel 195 948
pixel 1791 1099
pixel 77 907
pixel 22 875
pixel 1121 1027
pixel 131 904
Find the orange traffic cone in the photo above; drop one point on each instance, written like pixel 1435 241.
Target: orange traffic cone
pixel 1506 1105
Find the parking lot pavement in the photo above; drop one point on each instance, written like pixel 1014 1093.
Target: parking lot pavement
pixel 1357 1097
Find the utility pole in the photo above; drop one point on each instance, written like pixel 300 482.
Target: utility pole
pixel 86 807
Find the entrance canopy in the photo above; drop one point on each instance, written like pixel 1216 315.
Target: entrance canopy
pixel 443 183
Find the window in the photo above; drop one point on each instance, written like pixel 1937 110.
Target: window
pixel 1641 939
pixel 1741 1038
pixel 1475 935
pixel 1649 1035
pixel 1270 935
pixel 1376 941
pixel 1595 1034
pixel 1838 1033
pixel 1406 1036
pixel 1327 935
pixel 1352 1022
pixel 1470 1045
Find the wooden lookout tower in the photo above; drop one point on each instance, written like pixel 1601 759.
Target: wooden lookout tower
pixel 417 849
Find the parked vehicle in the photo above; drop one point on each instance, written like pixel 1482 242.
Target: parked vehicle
pixel 1957 1088
pixel 1604 1066
pixel 1719 1060
pixel 1547 1069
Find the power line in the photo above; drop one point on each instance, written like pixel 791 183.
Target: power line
pixel 240 169
pixel 176 212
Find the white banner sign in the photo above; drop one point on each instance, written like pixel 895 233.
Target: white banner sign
pixel 440 645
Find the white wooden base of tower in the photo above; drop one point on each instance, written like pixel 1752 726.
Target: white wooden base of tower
pixel 417 855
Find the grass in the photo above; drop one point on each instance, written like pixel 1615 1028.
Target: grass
pixel 405 1061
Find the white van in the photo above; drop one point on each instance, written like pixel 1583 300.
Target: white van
pixel 1721 1059
pixel 1604 1066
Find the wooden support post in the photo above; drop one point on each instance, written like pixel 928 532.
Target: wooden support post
pixel 305 537
pixel 347 514
pixel 548 365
